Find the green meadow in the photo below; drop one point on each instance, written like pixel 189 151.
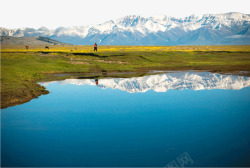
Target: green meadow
pixel 21 69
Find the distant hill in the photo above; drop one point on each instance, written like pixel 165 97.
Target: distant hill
pixel 29 41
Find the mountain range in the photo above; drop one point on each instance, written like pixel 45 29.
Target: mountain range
pixel 209 29
pixel 165 82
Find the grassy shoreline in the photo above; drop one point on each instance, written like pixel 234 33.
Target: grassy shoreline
pixel 21 69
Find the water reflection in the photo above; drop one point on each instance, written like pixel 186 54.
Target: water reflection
pixel 82 124
pixel 96 81
pixel 165 82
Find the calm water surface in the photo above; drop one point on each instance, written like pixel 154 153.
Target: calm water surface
pixel 181 119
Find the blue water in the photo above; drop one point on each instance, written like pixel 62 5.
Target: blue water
pixel 84 125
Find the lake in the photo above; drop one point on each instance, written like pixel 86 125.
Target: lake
pixel 166 120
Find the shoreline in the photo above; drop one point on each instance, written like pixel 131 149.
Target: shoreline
pixel 21 70
pixel 38 90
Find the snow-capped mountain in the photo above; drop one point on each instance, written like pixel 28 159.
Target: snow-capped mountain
pixel 165 82
pixel 228 28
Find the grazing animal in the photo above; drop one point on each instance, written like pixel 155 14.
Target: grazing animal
pixel 46 47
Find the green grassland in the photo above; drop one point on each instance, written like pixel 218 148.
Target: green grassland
pixel 21 69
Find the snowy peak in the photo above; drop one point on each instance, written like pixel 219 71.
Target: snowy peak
pixel 160 17
pixel 165 82
pixel 131 21
pixel 233 16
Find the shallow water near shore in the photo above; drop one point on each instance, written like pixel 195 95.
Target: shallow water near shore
pixel 172 119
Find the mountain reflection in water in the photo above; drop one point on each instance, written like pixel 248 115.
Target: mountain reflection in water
pixel 92 123
pixel 165 82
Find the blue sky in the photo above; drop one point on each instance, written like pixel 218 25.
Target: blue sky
pixel 56 13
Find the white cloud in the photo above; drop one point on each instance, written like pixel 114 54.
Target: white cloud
pixel 55 13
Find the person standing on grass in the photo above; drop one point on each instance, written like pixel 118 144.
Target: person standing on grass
pixel 27 47
pixel 95 47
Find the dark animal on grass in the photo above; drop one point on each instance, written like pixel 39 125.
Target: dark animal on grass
pixel 46 47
